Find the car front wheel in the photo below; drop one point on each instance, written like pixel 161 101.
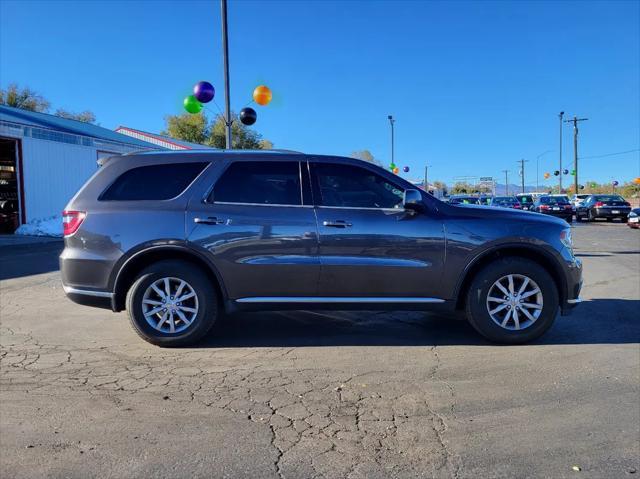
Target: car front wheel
pixel 172 303
pixel 512 301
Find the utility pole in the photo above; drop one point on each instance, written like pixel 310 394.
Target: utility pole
pixel 225 61
pixel 426 176
pixel 506 181
pixel 575 149
pixel 522 162
pixel 560 170
pixel 392 121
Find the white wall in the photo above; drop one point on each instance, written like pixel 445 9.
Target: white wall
pixel 53 172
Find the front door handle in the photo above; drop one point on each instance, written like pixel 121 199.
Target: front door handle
pixel 209 220
pixel 337 224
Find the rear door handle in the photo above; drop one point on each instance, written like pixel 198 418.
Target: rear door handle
pixel 209 220
pixel 337 224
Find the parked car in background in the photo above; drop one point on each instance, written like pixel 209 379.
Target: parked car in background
pixel 505 202
pixel 554 205
pixel 463 200
pixel 633 220
pixel 179 238
pixel 577 200
pixel 609 207
pixel 526 201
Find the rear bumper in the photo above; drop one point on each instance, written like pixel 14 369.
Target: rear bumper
pixel 609 213
pixel 89 297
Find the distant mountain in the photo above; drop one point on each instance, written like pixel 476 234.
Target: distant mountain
pixel 515 189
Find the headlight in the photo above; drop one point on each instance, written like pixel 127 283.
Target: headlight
pixel 565 237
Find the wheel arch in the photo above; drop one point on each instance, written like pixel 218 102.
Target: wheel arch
pixel 530 252
pixel 132 266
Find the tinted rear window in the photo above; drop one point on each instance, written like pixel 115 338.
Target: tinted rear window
pixel 554 200
pixel 153 182
pixel 608 198
pixel 525 199
pixel 259 182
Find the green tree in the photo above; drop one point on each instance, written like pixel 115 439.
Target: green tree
pixel 463 187
pixel 365 155
pixel 187 127
pixel 24 98
pixel 85 116
pixel 243 138
pixel 198 129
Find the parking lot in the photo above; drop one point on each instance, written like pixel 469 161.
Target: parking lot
pixel 301 394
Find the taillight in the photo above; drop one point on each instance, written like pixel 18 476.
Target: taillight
pixel 626 203
pixel 567 207
pixel 599 204
pixel 71 221
pixel 517 206
pixel 544 207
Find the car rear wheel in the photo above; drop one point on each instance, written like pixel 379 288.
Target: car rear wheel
pixel 172 303
pixel 590 216
pixel 512 301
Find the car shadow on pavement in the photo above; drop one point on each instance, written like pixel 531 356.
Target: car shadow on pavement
pixel 17 261
pixel 597 321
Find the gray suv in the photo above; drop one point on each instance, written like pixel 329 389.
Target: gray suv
pixel 179 238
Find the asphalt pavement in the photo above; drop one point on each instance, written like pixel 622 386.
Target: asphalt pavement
pixel 309 394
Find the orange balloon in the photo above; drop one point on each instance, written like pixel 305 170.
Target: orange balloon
pixel 395 171
pixel 637 180
pixel 262 95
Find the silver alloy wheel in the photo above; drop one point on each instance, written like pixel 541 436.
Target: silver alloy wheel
pixel 170 305
pixel 514 302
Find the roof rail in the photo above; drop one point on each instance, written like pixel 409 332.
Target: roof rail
pixel 218 152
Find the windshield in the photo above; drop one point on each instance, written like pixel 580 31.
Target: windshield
pixel 504 200
pixel 608 198
pixel 554 200
pixel 525 199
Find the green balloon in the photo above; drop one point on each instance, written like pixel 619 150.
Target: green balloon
pixel 192 105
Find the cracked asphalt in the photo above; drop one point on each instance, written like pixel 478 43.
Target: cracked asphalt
pixel 308 394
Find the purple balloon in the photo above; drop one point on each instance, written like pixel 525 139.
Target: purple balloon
pixel 204 91
pixel 405 169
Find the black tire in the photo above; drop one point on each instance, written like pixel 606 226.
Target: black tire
pixel 476 301
pixel 578 218
pixel 609 220
pixel 590 216
pixel 205 317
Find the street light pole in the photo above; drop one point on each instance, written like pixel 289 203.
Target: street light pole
pixel 522 162
pixel 392 121
pixel 560 170
pixel 225 61
pixel 426 181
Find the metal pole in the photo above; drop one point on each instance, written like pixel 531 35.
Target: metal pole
pixel 506 181
pixel 426 182
pixel 560 170
pixel 225 60
pixel 392 121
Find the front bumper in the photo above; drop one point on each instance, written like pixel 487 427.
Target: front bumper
pixel 574 285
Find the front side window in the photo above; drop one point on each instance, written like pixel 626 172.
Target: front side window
pixel 153 182
pixel 351 186
pixel 259 182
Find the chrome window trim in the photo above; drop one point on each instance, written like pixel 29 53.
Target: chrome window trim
pixel 361 208
pixel 259 204
pixel 335 299
pixel 87 292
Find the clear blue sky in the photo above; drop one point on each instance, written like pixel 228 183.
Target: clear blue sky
pixel 474 86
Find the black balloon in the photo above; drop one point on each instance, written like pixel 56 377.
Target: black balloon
pixel 248 116
pixel 556 173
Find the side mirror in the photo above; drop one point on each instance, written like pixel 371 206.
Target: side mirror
pixel 413 200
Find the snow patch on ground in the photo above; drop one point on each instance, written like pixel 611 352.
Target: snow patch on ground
pixel 51 226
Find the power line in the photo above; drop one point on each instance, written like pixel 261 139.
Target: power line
pixel 609 154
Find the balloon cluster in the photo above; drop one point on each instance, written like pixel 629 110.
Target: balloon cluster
pixel 394 169
pixel 203 92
